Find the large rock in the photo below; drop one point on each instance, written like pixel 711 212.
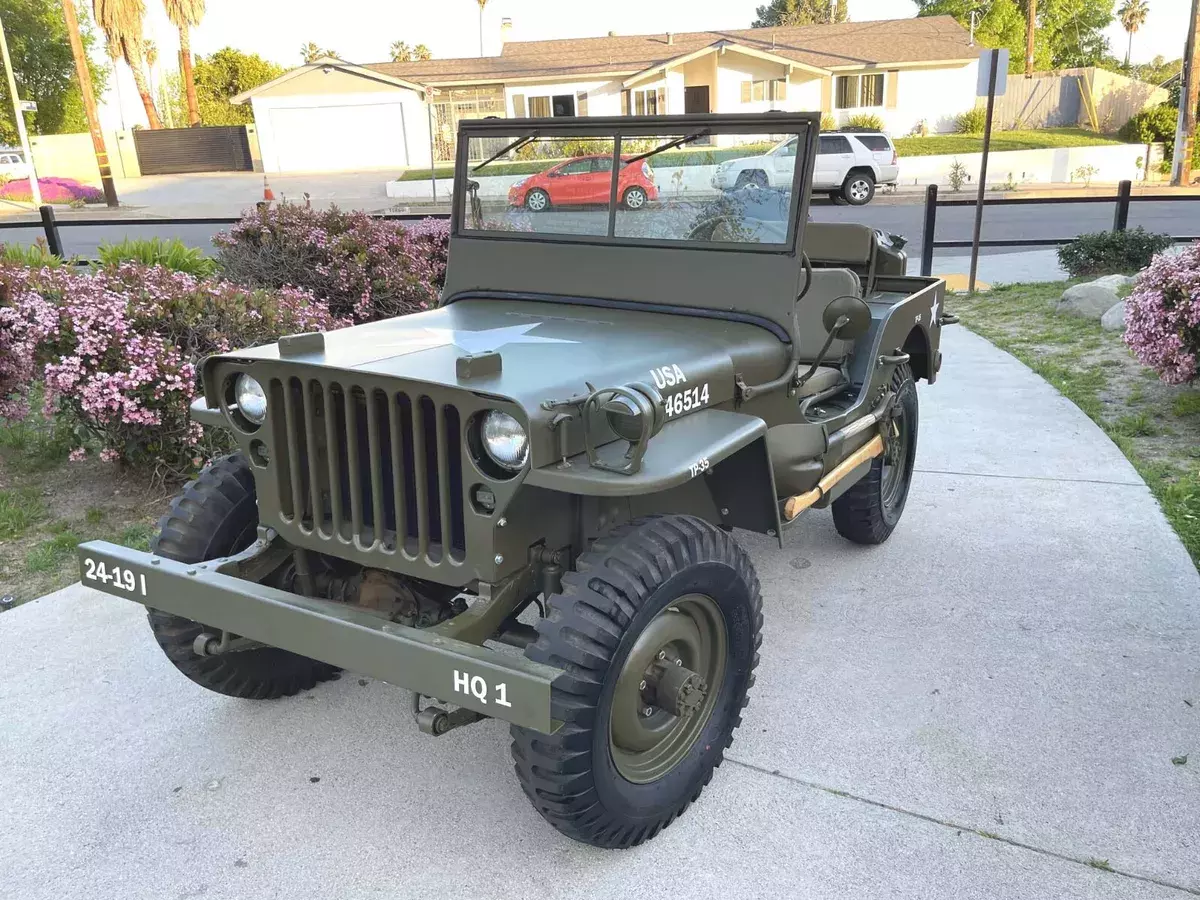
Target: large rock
pixel 1116 282
pixel 1090 300
pixel 1114 319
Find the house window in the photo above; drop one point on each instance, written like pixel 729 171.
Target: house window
pixel 539 107
pixel 648 102
pixel 556 105
pixel 758 91
pixel 854 91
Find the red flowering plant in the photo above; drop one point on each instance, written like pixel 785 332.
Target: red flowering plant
pixel 364 268
pixel 118 351
pixel 1162 316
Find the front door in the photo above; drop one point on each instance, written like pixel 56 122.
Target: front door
pixel 695 99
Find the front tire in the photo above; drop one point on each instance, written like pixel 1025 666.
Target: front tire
pixel 870 510
pixel 537 200
pixel 217 515
pixel 657 633
pixel 755 178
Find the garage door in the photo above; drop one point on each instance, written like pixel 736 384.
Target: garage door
pixel 339 138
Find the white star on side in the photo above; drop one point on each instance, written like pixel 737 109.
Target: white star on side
pixel 493 338
pixel 934 319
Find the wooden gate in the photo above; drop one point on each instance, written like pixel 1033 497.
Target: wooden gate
pixel 170 151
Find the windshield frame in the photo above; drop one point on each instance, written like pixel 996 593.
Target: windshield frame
pixel 801 126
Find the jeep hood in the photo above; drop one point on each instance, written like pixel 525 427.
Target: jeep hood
pixel 548 350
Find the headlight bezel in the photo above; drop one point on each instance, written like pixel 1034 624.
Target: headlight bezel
pixel 234 403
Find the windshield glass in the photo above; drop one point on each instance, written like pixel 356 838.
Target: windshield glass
pixel 694 186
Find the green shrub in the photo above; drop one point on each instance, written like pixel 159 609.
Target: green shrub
pixel 1150 126
pixel 35 256
pixel 828 123
pixel 172 254
pixel 1110 252
pixel 971 122
pixel 866 120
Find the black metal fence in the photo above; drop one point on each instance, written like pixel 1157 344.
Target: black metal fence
pixel 52 226
pixel 1123 198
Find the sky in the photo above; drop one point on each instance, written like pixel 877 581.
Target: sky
pixel 362 30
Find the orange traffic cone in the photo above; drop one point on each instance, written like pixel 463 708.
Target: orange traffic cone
pixel 268 194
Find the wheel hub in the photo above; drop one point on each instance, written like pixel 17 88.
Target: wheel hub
pixel 666 689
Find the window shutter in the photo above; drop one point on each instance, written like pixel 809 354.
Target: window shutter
pixel 624 103
pixel 662 101
pixel 519 106
pixel 581 103
pixel 893 78
pixel 746 88
pixel 826 95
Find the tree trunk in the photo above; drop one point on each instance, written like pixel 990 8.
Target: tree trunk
pixel 143 89
pixel 189 82
pixel 1129 50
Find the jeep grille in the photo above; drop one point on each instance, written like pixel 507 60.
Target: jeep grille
pixel 383 470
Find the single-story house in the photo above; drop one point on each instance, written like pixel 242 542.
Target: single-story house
pixel 333 115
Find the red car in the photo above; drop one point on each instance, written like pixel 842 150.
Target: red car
pixel 584 179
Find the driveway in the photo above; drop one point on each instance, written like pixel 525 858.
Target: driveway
pixel 985 707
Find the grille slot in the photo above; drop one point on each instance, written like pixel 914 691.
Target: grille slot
pixel 359 465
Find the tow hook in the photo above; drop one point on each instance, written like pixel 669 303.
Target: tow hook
pixel 436 721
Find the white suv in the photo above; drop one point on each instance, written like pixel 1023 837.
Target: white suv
pixel 848 166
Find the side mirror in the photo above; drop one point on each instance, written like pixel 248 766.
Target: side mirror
pixel 847 318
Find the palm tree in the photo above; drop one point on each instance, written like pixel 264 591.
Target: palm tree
pixel 482 4
pixel 401 52
pixel 1133 16
pixel 186 15
pixel 310 52
pixel 122 23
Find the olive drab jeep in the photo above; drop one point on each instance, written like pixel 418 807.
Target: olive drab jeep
pixel 522 505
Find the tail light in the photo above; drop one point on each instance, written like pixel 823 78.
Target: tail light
pixel 895 158
pixel 646 170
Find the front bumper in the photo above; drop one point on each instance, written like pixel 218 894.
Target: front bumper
pixel 497 684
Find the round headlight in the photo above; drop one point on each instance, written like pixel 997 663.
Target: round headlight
pixel 250 398
pixel 505 440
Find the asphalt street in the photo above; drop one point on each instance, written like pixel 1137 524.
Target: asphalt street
pixel 987 706
pixel 899 215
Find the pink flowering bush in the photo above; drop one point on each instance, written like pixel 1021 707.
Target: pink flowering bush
pixel 364 268
pixel 54 190
pixel 1162 316
pixel 118 351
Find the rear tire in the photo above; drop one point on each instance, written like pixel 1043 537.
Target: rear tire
pixel 217 515
pixel 870 510
pixel 624 766
pixel 859 188
pixel 634 198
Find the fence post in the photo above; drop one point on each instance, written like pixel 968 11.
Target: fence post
pixel 931 192
pixel 1121 216
pixel 50 226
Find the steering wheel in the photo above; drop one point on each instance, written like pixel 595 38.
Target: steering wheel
pixel 740 230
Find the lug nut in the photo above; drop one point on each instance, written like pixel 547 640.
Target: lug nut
pixel 648 711
pixel 499 559
pixel 641 686
pixel 679 662
pixel 503 521
pixel 662 654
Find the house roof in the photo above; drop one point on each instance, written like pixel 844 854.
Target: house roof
pixel 331 62
pixel 929 39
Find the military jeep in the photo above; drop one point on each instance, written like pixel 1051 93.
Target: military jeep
pixel 521 505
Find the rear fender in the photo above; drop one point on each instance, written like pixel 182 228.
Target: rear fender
pixel 907 326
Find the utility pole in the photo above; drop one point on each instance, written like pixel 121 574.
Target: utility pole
pixel 19 114
pixel 1189 96
pixel 89 103
pixel 1030 27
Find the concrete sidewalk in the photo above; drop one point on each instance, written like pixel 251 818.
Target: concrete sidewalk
pixel 985 707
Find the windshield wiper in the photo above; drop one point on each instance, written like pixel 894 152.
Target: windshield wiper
pixel 669 145
pixel 515 145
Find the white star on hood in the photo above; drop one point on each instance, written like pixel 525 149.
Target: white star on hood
pixel 493 338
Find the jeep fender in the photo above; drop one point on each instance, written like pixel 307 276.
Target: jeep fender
pixel 728 450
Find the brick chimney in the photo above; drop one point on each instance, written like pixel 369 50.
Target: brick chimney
pixel 670 38
pixel 505 31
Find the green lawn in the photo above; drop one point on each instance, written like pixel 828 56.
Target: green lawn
pixel 907 146
pixel 939 144
pixel 1156 425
